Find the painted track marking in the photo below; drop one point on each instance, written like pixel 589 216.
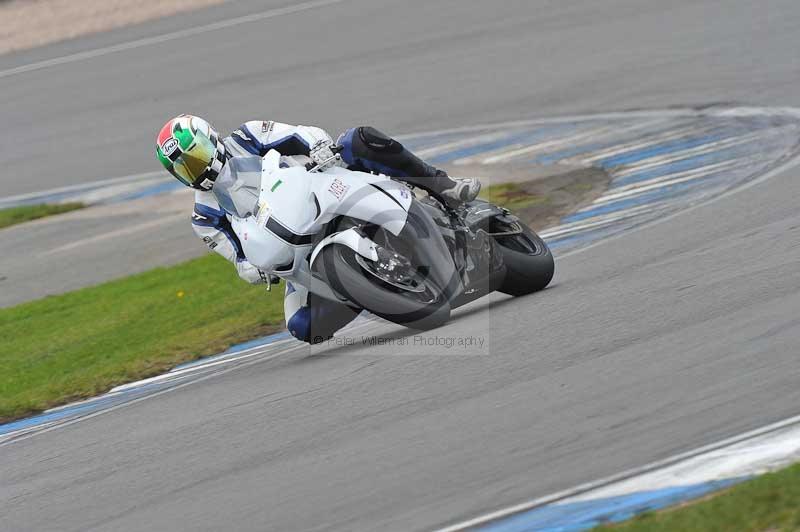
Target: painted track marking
pixel 718 451
pixel 158 39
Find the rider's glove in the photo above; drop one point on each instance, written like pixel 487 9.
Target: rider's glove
pixel 322 155
pixel 250 273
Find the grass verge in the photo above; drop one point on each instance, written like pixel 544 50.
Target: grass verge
pixel 543 201
pixel 82 343
pixel 26 213
pixel 768 502
pixel 512 196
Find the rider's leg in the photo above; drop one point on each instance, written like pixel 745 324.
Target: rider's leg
pixel 313 319
pixel 366 148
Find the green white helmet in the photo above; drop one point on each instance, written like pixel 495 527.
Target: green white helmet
pixel 191 150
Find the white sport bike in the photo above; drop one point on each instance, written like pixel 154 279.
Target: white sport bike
pixel 368 241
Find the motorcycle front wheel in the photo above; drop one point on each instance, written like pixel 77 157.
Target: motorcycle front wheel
pixel 410 299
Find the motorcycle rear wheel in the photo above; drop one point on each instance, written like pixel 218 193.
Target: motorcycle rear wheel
pixel 529 263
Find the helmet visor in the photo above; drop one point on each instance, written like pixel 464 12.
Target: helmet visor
pixel 195 160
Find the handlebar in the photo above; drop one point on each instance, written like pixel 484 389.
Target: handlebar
pixel 336 150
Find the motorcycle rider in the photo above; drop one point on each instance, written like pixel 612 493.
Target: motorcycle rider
pixel 193 152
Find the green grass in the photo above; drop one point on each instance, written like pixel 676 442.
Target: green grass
pixel 26 213
pixel 766 503
pixel 512 196
pixel 82 343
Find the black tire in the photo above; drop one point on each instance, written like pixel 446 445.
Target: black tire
pixel 348 278
pixel 529 263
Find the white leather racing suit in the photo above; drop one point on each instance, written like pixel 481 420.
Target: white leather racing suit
pixel 211 224
pixel 252 138
pixel 309 317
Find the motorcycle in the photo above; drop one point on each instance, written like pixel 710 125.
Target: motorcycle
pixel 371 242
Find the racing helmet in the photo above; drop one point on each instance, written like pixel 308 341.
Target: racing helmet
pixel 191 151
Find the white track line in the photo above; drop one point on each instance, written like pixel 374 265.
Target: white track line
pixel 751 457
pixel 643 143
pixel 81 187
pixel 788 164
pixel 552 145
pixel 235 361
pixel 655 113
pixel 166 220
pixel 464 143
pixel 614 130
pixel 660 182
pixel 158 39
pixel 604 200
pixel 187 371
pixel 624 476
pixel 15 437
pixel 708 167
pixel 703 149
pixel 596 221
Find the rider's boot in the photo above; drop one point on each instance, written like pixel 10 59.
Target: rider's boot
pixel 461 189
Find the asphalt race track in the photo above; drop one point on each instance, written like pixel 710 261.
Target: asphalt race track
pixel 656 341
pixel 404 67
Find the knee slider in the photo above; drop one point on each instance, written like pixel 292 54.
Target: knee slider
pixel 299 324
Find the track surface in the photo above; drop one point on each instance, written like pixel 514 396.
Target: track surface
pixel 402 66
pixel 659 341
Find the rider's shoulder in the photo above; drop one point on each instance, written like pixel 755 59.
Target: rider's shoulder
pixel 250 129
pixel 259 131
pixel 261 128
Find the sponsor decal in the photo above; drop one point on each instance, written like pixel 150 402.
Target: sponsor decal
pixel 166 132
pixel 338 188
pixel 264 211
pixel 266 127
pixel 169 146
pixel 276 185
pixel 404 193
pixel 209 242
